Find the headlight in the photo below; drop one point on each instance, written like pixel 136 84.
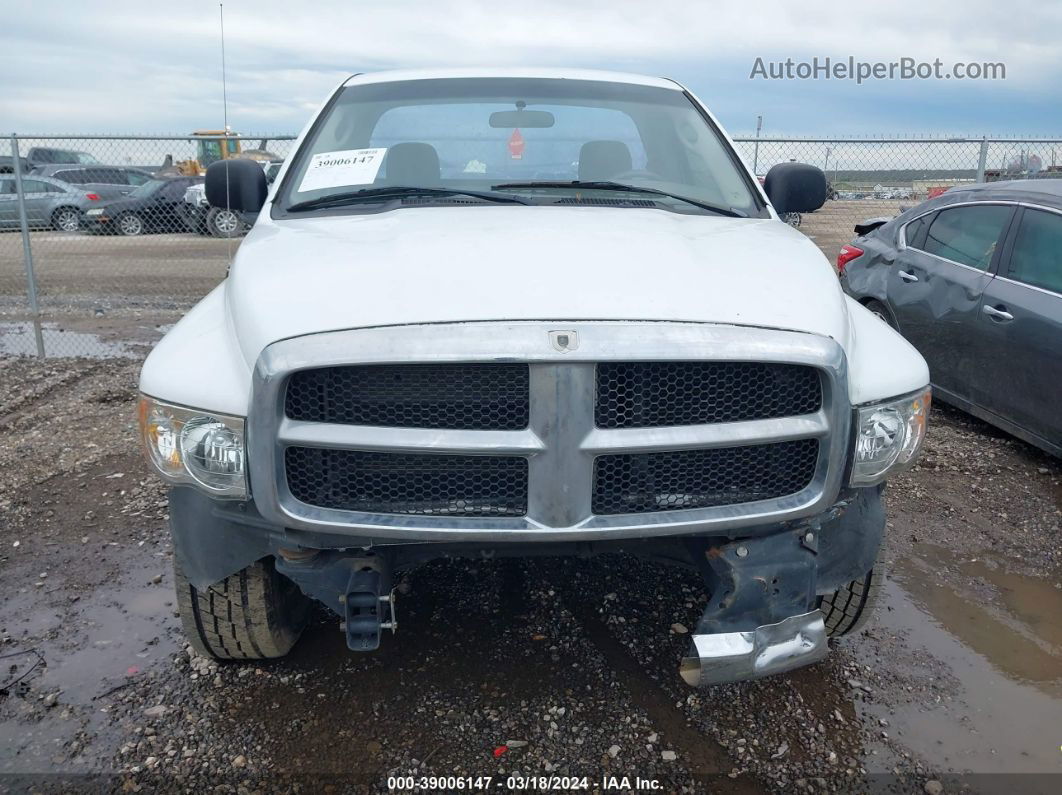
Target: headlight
pixel 198 447
pixel 97 211
pixel 889 436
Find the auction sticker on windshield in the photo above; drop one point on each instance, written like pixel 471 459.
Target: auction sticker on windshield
pixel 339 169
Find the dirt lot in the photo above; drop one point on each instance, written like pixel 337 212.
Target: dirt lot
pixel 564 667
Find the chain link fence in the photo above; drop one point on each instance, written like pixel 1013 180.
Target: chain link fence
pixel 99 249
pixel 100 253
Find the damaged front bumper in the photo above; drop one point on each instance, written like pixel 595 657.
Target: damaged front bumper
pixel 771 649
pixel 764 589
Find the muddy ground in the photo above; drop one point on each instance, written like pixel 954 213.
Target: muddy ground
pixel 559 667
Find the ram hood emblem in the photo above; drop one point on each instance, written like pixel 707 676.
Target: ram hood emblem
pixel 564 341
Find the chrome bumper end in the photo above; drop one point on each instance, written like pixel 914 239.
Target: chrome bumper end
pixel 770 649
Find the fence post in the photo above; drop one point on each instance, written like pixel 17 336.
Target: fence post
pixel 982 159
pixel 27 249
pixel 756 151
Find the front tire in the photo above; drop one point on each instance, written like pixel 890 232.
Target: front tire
pixel 880 311
pixel 130 225
pixel 66 219
pixel 254 614
pixel 847 610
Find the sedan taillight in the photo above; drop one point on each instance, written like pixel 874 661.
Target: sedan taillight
pixel 846 255
pixel 95 197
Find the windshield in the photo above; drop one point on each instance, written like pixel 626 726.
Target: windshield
pixel 503 135
pixel 148 187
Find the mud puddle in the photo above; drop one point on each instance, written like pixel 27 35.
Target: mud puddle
pixel 19 339
pixel 997 637
pixel 70 657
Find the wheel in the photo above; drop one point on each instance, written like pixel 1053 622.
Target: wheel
pixel 847 610
pixel 254 614
pixel 66 219
pixel 130 225
pixel 793 219
pixel 223 223
pixel 880 311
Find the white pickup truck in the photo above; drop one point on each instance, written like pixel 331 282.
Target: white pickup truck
pixel 525 312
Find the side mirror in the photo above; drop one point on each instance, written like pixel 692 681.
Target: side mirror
pixel 236 184
pixel 795 188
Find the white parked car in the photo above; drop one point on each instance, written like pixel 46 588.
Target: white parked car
pixel 600 339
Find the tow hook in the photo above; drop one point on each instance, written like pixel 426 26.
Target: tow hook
pixel 367 610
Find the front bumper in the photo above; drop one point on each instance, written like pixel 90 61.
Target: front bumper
pixel 769 649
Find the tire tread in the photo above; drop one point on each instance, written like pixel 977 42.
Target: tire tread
pixel 246 616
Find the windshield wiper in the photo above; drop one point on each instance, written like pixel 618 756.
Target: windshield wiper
pixel 398 192
pixel 619 186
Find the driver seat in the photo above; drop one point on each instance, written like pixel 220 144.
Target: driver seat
pixel 412 164
pixel 600 161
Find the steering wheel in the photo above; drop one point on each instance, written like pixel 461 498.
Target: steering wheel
pixel 636 173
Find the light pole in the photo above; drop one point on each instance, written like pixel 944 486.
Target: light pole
pixel 826 164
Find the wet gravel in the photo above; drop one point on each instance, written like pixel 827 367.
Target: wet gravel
pixel 504 668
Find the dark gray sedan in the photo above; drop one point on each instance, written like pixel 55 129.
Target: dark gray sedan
pixel 973 279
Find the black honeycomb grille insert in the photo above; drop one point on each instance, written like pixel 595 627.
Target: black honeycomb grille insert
pixel 655 394
pixel 679 480
pixel 401 483
pixel 484 396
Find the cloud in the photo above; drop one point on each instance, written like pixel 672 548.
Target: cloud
pixel 130 66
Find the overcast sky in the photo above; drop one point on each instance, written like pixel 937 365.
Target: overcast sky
pixel 112 66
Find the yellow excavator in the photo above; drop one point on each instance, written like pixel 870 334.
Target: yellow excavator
pixel 209 150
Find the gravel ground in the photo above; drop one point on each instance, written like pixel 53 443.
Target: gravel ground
pixel 538 667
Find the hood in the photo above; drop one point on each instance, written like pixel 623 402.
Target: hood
pixel 471 263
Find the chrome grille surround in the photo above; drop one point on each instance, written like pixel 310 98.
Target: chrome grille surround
pixel 561 441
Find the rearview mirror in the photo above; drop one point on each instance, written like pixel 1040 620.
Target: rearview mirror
pixel 795 188
pixel 527 119
pixel 236 184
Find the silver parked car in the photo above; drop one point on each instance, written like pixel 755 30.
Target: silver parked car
pixel 108 181
pixel 50 203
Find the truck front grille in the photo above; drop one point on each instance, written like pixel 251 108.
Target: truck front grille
pixel 400 483
pixel 679 480
pixel 459 396
pixel 641 428
pixel 657 394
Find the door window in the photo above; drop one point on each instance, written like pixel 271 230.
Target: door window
pixel 913 231
pixel 968 235
pixel 36 186
pixel 136 177
pixel 1037 255
pixel 77 176
pixel 107 176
